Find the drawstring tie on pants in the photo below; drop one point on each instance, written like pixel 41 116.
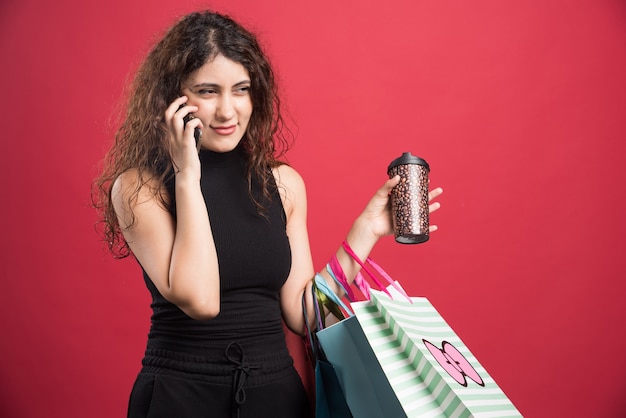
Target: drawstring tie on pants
pixel 242 371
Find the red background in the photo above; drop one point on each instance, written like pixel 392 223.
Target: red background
pixel 518 107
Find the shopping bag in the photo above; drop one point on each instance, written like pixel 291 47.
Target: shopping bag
pixel 365 387
pixel 430 370
pixel 397 357
pixel 330 401
pixel 367 391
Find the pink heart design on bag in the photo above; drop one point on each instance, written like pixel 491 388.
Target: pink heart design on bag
pixel 454 363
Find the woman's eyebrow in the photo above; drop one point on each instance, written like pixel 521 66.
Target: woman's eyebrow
pixel 215 85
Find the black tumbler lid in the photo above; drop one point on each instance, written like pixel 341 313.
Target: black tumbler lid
pixel 408 158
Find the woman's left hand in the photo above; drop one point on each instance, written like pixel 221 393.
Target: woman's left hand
pixel 377 213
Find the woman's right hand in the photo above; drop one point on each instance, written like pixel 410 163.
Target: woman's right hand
pixel 183 149
pixel 178 254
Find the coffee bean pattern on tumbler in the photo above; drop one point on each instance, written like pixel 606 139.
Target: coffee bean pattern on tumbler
pixel 409 199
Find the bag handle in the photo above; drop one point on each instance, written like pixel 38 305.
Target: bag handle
pixel 328 294
pixel 336 272
pixel 362 283
pixel 323 296
pixel 313 346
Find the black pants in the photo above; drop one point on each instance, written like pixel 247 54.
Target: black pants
pixel 172 394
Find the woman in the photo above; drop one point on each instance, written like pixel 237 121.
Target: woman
pixel 218 227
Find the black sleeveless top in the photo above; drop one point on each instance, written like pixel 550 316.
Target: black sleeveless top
pixel 254 261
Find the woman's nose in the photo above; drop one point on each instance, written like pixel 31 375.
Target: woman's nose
pixel 225 108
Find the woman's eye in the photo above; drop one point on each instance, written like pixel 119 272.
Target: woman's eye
pixel 207 91
pixel 243 90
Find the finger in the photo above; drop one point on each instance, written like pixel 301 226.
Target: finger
pixel 432 228
pixel 190 128
pixel 389 185
pixel 433 207
pixel 435 193
pixel 193 123
pixel 187 111
pixel 174 107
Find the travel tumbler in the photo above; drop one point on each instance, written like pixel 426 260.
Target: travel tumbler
pixel 409 199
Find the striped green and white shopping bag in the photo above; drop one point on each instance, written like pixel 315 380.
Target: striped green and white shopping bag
pixel 432 373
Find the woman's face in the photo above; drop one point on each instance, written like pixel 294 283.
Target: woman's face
pixel 221 90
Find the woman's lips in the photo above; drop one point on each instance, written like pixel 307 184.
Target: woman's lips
pixel 224 130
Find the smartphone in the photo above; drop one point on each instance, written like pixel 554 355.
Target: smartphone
pixel 197 133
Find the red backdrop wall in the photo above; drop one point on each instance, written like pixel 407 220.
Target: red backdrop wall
pixel 518 107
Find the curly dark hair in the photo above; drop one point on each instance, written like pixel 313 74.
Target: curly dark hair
pixel 140 141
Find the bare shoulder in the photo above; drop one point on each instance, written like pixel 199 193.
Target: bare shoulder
pixel 287 176
pixel 291 187
pixel 132 189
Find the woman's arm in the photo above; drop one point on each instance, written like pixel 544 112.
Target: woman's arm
pixel 372 224
pixel 178 255
pixel 293 194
